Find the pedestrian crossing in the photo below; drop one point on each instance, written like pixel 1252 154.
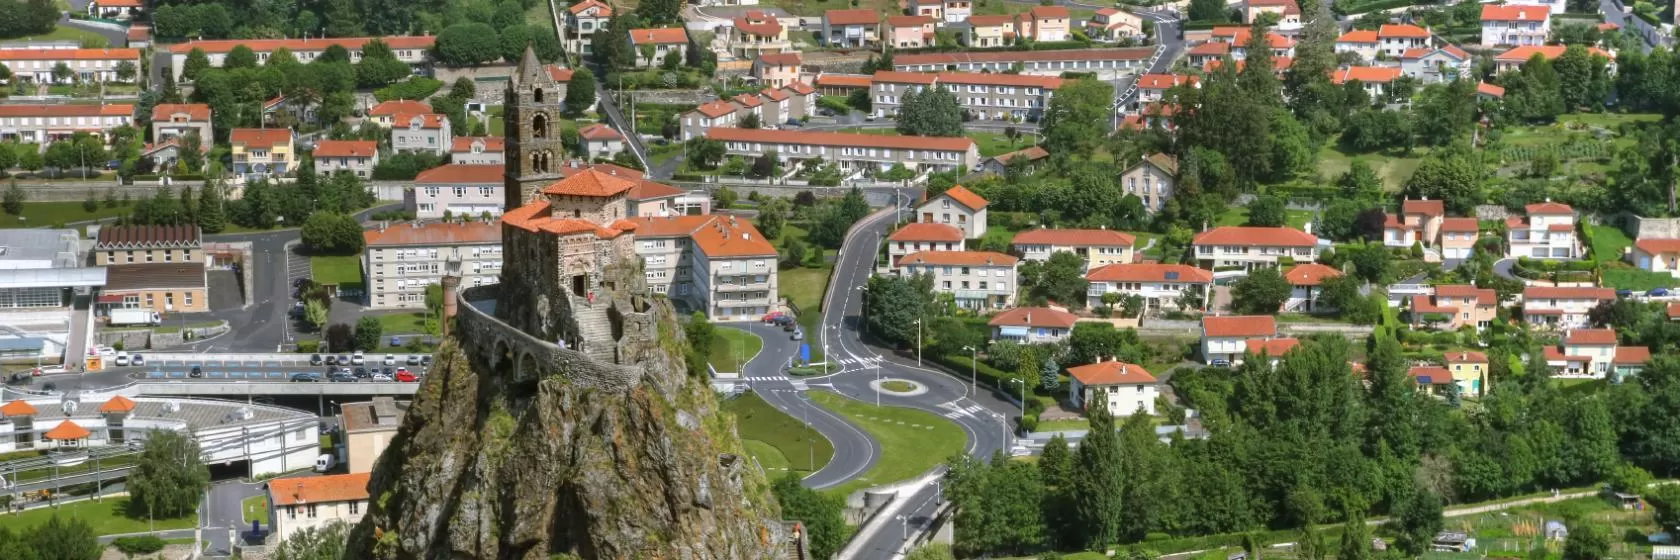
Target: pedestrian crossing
pixel 958 411
pixel 861 361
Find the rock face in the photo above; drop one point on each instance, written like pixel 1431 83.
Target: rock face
pixel 503 455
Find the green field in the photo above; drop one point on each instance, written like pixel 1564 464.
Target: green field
pixel 912 441
pixel 777 441
pixel 44 214
pixel 1238 215
pixel 66 33
pixel 1627 278
pixel 342 271
pixel 256 509
pixel 1608 242
pixel 805 286
pixel 732 349
pixel 1394 170
pixel 108 517
pixel 407 323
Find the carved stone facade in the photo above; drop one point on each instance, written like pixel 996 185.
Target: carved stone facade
pixel 534 151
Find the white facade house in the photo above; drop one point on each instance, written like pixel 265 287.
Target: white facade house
pixel 1548 232
pixel 1247 247
pixel 958 207
pixel 1032 325
pixel 1225 340
pixel 1160 285
pixel 314 502
pixel 1562 307
pixel 459 189
pixel 977 279
pixel 1125 389
pixel 1515 24
pixel 917 237
pixel 1097 247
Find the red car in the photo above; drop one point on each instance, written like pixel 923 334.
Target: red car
pixel 773 315
pixel 404 376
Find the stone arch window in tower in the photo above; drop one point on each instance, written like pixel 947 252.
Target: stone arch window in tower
pixel 539 125
pixel 537 96
pixel 539 162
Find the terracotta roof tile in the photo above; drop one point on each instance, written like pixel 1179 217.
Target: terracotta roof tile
pixel 1240 326
pixel 728 236
pixel 319 489
pixel 1075 237
pixel 958 258
pixel 1548 52
pixel 841 139
pixel 1149 272
pixel 67 110
pixel 66 431
pixel 646 190
pixel 599 131
pixel 1358 36
pixel 991 20
pixel 117 404
pixel 1164 81
pixel 1484 296
pixel 1466 357
pixel 1555 354
pixel 18 408
pixel 928 231
pixel 1273 347
pixel 717 108
pixel 1423 304
pixel 1034 317
pixel 1461 225
pixel 1310 274
pixel 800 88
pixel 1433 375
pixel 1426 207
pixel 434 233
pixel 423 120
pixel 1631 355
pixel 747 100
pixel 1133 53
pixel 780 59
pixel 1033 153
pixel 559 73
pixel 590 182
pixel 1655 246
pixel 1551 292
pixel 299 45
pixel 909 21
pixel 195 112
pixel 69 54
pixel 396 106
pixel 1549 209
pixel 1674 310
pixel 1402 31
pixel 851 17
pixel 662 36
pixel 1366 74
pixel 845 80
pixel 965 197
pixel 143 236
pixel 537 217
pixel 463 144
pixel 154 276
pixel 1515 12
pixel 461 173
pixel 761 26
pixel 889 76
pixel 1248 236
pixel 605 10
pixel 1111 373
pixel 346 148
pixel 263 137
pixel 1594 337
pixel 1045 12
pixel 774 95
pixel 575 167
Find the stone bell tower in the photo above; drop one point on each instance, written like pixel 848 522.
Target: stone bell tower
pixel 533 151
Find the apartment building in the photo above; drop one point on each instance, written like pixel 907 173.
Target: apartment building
pixel 1547 232
pixel 1419 222
pixel 44 124
pixel 402 259
pixel 409 49
pixel 1123 389
pixel 1161 286
pixel 910 32
pixel 86 65
pixel 369 427
pixel 852 151
pixel 350 156
pixel 1595 353
pixel 1287 11
pixel 125 245
pixel 749 104
pixel 978 280
pixel 1562 307
pixel 1032 325
pixel 1431 65
pixel 755 34
pixel 1152 88
pixel 1045 24
pixel 1009 97
pixel 1225 340
pixel 916 237
pixel 718 113
pixel 174 120
pixel 583 19
pixel 1109 24
pixel 1454 306
pixel 718 264
pixel 163 287
pixel 313 502
pixel 1306 282
pixel 1515 24
pixel 1247 247
pixel 778 70
pixel 661 42
pixel 1097 247
pixel 989 31
pixel 458 189
pixel 850 28
pixel 262 151
pixel 1396 39
pixel 774 109
pixel 1152 180
pixel 958 207
pixel 1374 79
pixel 477 150
pixel 385 113
pixel 1104 64
pixel 422 132
pixel 1511 60
pixel 1361 42
pixel 1233 42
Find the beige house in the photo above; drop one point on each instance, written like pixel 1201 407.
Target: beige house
pixel 43 124
pixel 459 189
pixel 1032 325
pixel 1562 307
pixel 1109 24
pixel 1046 24
pixel 1097 247
pixel 778 70
pixel 1247 247
pixel 910 32
pixel 1458 237
pixel 424 132
pixel 477 150
pixel 1656 255
pixel 1595 353
pixel 850 28
pixel 917 237
pixel 958 207
pixel 1515 24
pixel 1469 370
pixel 1124 389
pixel 978 280
pixel 1287 11
pixel 658 42
pixel 351 156
pixel 369 427
pixel 990 31
pixel 262 151
pixel 141 244
pixel 164 287
pixel 755 34
pixel 86 65
pixel 402 259
pixel 1460 305
pixel 1159 285
pixel 601 141
pixel 174 120
pixel 314 502
pixel 1152 180
pixel 1547 232
pixel 583 19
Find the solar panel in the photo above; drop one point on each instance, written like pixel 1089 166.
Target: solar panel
pixel 1173 275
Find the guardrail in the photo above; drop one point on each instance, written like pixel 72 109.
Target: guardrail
pixel 279 388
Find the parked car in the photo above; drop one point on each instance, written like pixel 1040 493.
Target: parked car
pixel 390 360
pixel 325 462
pixel 1220 363
pixel 1657 292
pixel 331 360
pixel 405 377
pixel 799 334
pixel 341 376
pixel 426 360
pixel 358 358
pixel 343 360
pixel 122 359
pixel 196 372
pixel 315 360
pixel 136 360
pixel 306 377
pixel 362 372
pixel 413 359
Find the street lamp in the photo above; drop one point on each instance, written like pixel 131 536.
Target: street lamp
pixel 1023 385
pixel 973 370
pixel 904 523
pixel 918 343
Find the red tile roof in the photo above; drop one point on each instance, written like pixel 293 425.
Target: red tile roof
pixel 1273 347
pixel 1422 304
pixel 69 54
pixel 319 489
pixel 851 17
pixel 800 88
pixel 726 237
pixel 1163 81
pixel 263 137
pixel 652 227
pixel 66 431
pixel 118 404
pixel 1483 296
pixel 1249 236
pixel 606 11
pixel 845 80
pixel 904 77
pixel 999 79
pixel 1366 74
pixel 1426 207
pixel 559 73
pixel 1460 225
pixel 406 42
pixel 1551 292
pixel 1111 373
pixel 991 20
pixel 575 167
pixel 1033 153
pixel 538 217
pixel 1043 12
pixel 761 26
pixel 716 109
pixel 773 94
pixel 1593 337
pixel 426 120
pixel 662 36
pixel 147 236
pixel 1034 317
pixel 1515 12
pixel 1358 36
pixel 646 190
pixel 434 233
pixel 460 173
pixel 67 110
pixel 1239 326
pixel 841 139
pixel 1548 52
pixel 958 258
pixel 1674 310
pixel 1133 53
pixel 1466 357
pixel 194 111
pixel 1310 274
pixel 592 183
pixel 747 100
pixel 346 148
pixel 1631 355
pixel 1549 209
pixel 1402 31
pixel 965 197
pixel 397 106
pixel 1211 48
pixel 599 131
pixel 139 33
pixel 1149 272
pixel 909 21
pixel 18 408
pixel 1555 354
pixel 1436 375
pixel 781 59
pixel 921 231
pixel 1655 246
pixel 1075 237
pixel 463 144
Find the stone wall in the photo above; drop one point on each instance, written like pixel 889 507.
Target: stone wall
pixel 1493 212
pixel 146 339
pixel 1654 228
pixel 497 347
pixel 695 97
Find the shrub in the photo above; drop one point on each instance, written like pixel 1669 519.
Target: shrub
pixel 416 88
pixel 143 544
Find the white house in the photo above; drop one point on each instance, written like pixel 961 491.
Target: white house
pixel 1157 284
pixel 1246 247
pixel 1548 232
pixel 1595 353
pixel 1226 339
pixel 1656 255
pixel 1032 325
pixel 1515 24
pixel 959 207
pixel 1126 389
pixel 977 279
pixel 918 237
pixel 1306 281
pixel 1562 307
pixel 1098 247
pixel 316 501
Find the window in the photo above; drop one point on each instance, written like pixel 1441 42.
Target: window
pixel 356 507
pixel 291 512
pixel 188 296
pixel 311 511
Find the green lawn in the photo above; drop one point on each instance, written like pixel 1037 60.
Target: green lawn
pixel 342 271
pixel 912 441
pixel 1238 215
pixel 43 214
pixel 1628 278
pixel 1608 243
pixel 540 16
pixel 1000 8
pixel 66 33
pixel 497 128
pixel 779 442
pixel 256 509
pixel 732 349
pixel 1394 170
pixel 1069 424
pixel 108 517
pixel 804 287
pixel 407 323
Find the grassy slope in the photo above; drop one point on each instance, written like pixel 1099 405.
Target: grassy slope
pixel 1608 243
pixel 345 271
pixel 777 440
pixel 1238 215
pixel 732 348
pixel 107 517
pixel 40 214
pixel 912 441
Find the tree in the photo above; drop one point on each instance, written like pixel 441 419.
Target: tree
pixel 1419 519
pixel 702 153
pixel 1356 539
pixel 1453 175
pixel 750 121
pixel 1583 78
pixel 932 551
pixel 892 306
pixel 67 540
pixel 197 62
pixel 240 57
pixel 1209 11
pixel 1061 279
pixel 933 112
pixel 326 542
pixel 315 313
pixel 13 200
pixel 380 66
pixel 212 210
pixel 822 514
pixel 368 332
pixel 126 71
pixel 341 338
pixel 1078 118
pixel 327 233
pixel 772 215
pixel 1371 263
pixel 1586 542
pixel 169 477
pixel 61 73
pixel 467 44
pixel 1098 482
pixel 8 154
pixel 1267 211
pixel 580 92
pixel 1534 92
pixel 1048 374
pixel 1262 292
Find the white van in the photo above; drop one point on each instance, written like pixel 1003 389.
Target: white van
pixel 325 462
pixel 122 359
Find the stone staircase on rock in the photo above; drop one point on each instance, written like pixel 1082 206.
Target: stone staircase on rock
pixel 595 328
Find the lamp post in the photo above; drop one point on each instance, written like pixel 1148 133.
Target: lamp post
pixel 1023 385
pixel 904 523
pixel 918 343
pixel 973 370
pixel 877 366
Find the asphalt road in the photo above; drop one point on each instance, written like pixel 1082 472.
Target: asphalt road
pixel 854 451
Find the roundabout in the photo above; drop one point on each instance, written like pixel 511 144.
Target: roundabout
pixel 898 387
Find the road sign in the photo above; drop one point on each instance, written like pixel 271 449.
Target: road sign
pixel 804 352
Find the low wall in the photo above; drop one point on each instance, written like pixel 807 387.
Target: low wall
pixel 145 339
pixel 491 344
pixel 1654 228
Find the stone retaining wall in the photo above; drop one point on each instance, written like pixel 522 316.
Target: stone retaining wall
pixel 497 347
